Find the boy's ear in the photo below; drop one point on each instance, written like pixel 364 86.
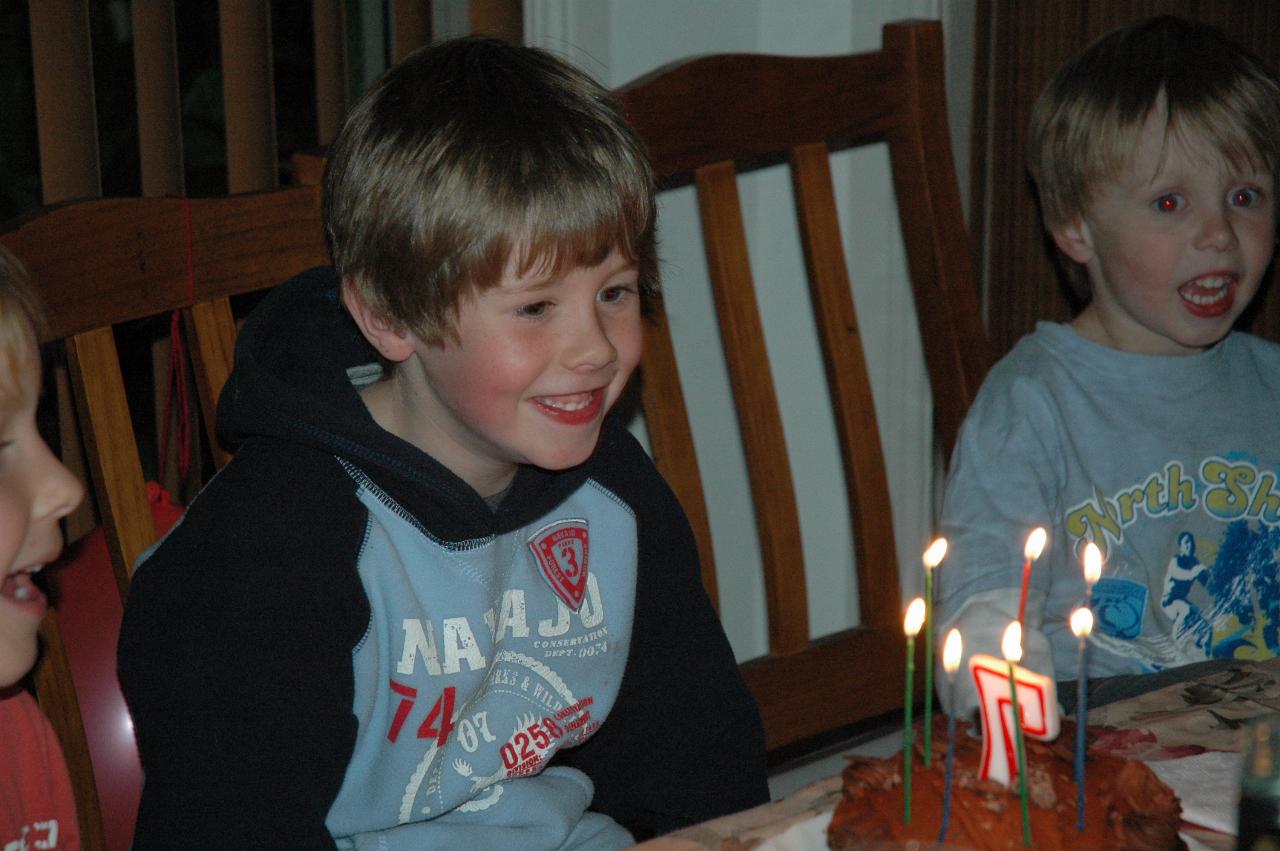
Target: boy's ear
pixel 391 343
pixel 1074 240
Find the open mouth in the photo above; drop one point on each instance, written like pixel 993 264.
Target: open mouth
pixel 1209 296
pixel 572 408
pixel 18 589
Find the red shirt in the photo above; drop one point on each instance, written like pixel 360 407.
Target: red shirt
pixel 37 808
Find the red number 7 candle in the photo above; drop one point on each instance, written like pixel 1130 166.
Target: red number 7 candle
pixel 1031 552
pixel 1033 703
pixel 1037 700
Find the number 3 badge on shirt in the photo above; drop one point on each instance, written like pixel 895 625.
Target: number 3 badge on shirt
pixel 560 551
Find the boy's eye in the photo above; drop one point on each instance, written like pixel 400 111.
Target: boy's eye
pixel 613 295
pixel 1168 203
pixel 1245 197
pixel 533 311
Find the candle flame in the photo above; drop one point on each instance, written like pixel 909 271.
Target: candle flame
pixel 915 617
pixel 1035 543
pixel 933 556
pixel 1092 563
pixel 951 651
pixel 1081 622
pixel 1011 644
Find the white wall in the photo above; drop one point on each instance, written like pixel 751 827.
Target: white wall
pixel 618 40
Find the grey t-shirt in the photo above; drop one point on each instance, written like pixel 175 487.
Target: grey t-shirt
pixel 1168 463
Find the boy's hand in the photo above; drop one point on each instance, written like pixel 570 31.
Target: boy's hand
pixel 982 622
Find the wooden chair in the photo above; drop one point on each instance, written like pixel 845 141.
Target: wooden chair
pixel 706 121
pixel 102 263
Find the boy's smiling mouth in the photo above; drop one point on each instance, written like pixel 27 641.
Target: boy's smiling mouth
pixel 1210 295
pixel 572 408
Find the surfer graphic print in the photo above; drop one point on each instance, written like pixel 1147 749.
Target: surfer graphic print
pixel 1218 593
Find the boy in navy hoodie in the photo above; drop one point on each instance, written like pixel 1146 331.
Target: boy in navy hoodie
pixel 439 598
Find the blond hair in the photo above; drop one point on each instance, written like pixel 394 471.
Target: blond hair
pixel 21 318
pixel 472 153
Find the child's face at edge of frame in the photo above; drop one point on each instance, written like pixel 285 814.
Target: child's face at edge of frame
pixel 36 491
pixel 537 362
pixel 1174 248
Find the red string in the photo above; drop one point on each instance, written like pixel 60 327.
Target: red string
pixel 176 388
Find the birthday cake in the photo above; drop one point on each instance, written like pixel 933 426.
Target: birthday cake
pixel 1126 805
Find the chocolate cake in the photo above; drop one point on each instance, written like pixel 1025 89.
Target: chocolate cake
pixel 1126 805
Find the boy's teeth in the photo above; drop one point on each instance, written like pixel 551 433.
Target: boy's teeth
pixel 1197 298
pixel 576 403
pixel 17 586
pixel 1205 290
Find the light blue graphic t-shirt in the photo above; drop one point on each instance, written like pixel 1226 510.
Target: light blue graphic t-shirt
pixel 1168 464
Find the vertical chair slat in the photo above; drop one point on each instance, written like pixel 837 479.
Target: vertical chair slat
pixel 66 123
pixel 769 471
pixel 126 520
pixel 56 693
pixel 248 94
pixel 329 39
pixel 849 382
pixel 212 331
pixel 499 18
pixel 155 63
pixel 410 27
pixel 671 439
pixel 155 69
pixel 109 437
pixel 933 231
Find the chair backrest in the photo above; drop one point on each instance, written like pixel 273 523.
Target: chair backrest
pixel 105 262
pixel 706 121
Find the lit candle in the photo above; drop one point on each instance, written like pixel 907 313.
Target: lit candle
pixel 932 558
pixel 911 626
pixel 1011 647
pixel 1081 626
pixel 1031 552
pixel 951 652
pixel 1038 712
pixel 1092 569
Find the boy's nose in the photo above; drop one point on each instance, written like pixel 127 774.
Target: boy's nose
pixel 1216 232
pixel 58 491
pixel 589 347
